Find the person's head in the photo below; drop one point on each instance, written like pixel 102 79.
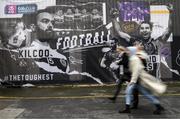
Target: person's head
pixel 95 11
pixel 139 45
pixel 114 13
pixel 9 30
pixel 69 11
pixel 9 26
pixel 145 30
pixel 44 26
pixel 59 12
pixel 121 49
pixel 84 11
pixel 128 7
pixel 76 10
pixel 112 44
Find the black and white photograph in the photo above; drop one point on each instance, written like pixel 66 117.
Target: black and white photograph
pixel 89 59
pixel 71 41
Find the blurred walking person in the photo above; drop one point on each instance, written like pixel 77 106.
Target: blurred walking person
pixel 144 82
pixel 125 76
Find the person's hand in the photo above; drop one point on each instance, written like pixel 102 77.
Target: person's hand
pixel 114 65
pixel 170 7
pixel 130 83
pixel 103 65
pixel 114 13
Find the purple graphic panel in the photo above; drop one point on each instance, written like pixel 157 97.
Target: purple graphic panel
pixel 134 11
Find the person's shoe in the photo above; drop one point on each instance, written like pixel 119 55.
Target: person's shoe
pixel 134 107
pixel 125 111
pixel 162 108
pixel 158 110
pixel 113 99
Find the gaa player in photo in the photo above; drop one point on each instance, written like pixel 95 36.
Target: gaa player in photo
pixel 77 19
pixel 151 45
pixel 97 18
pixel 14 36
pixel 45 57
pixel 69 18
pixel 86 19
pixel 13 33
pixel 59 18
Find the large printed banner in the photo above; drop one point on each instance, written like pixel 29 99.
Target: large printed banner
pixel 69 43
pixel 151 25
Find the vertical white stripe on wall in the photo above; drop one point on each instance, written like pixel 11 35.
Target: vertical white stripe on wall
pixel 104 13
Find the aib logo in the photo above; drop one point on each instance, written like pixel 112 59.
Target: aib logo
pixel 20 9
pixel 10 9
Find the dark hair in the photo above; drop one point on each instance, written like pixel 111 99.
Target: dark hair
pixel 29 19
pixel 7 20
pixel 146 22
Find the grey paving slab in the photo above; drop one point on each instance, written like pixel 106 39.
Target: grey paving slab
pixel 10 113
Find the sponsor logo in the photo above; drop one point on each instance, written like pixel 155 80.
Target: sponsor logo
pixel 10 9
pixel 20 9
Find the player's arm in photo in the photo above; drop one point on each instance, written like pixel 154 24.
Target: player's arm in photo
pixel 103 60
pixel 116 26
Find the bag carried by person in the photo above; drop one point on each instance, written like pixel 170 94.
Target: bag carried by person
pixel 154 85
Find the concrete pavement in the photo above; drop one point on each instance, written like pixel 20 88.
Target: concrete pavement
pixel 72 102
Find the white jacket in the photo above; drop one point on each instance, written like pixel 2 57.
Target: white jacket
pixel 145 79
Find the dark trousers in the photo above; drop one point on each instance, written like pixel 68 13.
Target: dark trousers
pixel 122 79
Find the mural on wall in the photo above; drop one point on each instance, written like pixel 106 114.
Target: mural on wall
pixel 73 43
pixel 151 26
